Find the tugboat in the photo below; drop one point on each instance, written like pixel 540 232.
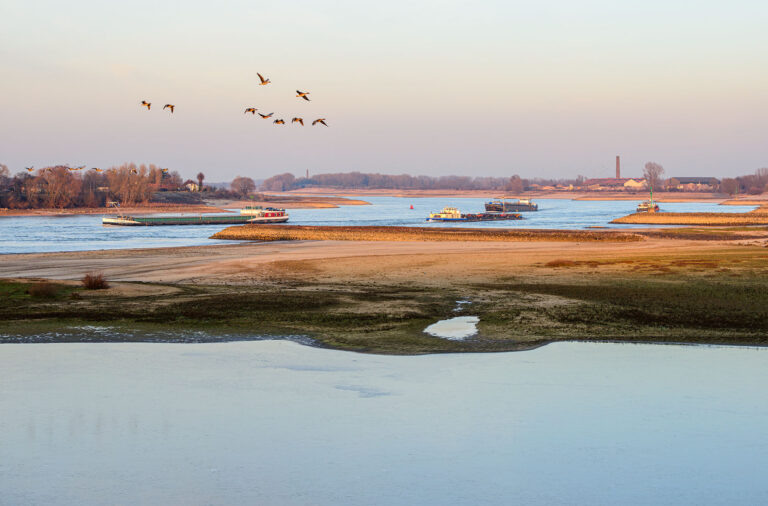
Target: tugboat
pixel 518 206
pixel 648 206
pixel 453 214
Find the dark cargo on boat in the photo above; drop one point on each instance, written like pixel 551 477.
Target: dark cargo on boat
pixel 518 206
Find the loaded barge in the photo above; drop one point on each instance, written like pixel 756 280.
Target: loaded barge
pixel 519 206
pixel 248 215
pixel 453 214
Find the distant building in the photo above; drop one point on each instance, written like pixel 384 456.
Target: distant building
pixel 614 184
pixel 193 187
pixel 693 184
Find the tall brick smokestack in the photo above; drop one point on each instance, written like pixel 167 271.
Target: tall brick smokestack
pixel 618 167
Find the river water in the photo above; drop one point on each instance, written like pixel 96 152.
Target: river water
pixel 278 423
pixel 79 233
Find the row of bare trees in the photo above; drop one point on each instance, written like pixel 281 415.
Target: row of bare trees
pixel 60 187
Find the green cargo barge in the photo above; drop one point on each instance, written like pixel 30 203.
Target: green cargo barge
pixel 248 215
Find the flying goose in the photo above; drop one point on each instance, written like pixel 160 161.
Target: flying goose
pixel 146 104
pixel 279 122
pixel 265 116
pixel 169 106
pixel 134 171
pixel 251 110
pixel 30 169
pixel 298 120
pixel 320 120
pixel 96 169
pixel 263 81
pixel 303 94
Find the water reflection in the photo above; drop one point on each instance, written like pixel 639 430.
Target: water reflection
pixel 273 422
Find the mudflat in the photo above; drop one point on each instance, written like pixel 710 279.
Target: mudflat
pixel 378 296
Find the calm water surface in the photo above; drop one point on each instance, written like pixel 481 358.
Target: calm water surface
pixel 277 423
pixel 78 233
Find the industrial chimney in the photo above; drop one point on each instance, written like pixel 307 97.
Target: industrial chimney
pixel 618 167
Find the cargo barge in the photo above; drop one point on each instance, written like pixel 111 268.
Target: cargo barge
pixel 453 214
pixel 518 206
pixel 248 215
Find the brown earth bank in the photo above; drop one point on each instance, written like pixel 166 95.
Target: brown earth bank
pixel 290 202
pixel 378 233
pixel 143 209
pixel 379 296
pixel 211 206
pixel 757 216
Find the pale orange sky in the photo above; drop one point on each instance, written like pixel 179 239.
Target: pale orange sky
pixel 472 88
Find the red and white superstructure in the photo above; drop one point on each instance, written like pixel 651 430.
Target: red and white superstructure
pixel 260 214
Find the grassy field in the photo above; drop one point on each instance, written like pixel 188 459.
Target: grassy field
pixel 326 233
pixel 719 302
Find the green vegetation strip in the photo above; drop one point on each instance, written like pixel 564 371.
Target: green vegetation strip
pixel 514 314
pixel 328 233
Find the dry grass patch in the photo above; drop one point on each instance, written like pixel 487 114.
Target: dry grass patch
pixel 43 290
pixel 397 234
pixel 561 263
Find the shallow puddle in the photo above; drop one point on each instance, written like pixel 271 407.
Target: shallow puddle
pixel 456 329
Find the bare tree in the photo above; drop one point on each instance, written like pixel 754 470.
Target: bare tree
pixel 242 186
pixel 652 173
pixel 729 186
pixel 515 184
pixel 200 178
pixel 285 182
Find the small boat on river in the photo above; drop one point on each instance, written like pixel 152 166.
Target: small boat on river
pixel 453 214
pixel 248 215
pixel 648 206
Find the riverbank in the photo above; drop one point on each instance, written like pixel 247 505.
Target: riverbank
pixel 211 206
pixel 378 297
pixel 144 209
pixel 291 202
pixel 758 216
pixel 495 194
pixel 376 233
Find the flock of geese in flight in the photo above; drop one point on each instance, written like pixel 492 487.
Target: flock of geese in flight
pixel 172 107
pixel 263 81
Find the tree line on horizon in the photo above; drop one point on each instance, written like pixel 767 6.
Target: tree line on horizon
pixel 753 184
pixel 61 187
pixel 359 180
pixel 130 184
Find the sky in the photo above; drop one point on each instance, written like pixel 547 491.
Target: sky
pixel 478 88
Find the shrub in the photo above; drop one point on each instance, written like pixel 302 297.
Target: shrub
pixel 94 281
pixel 561 263
pixel 43 289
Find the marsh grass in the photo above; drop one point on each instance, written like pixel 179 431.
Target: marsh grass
pixel 390 318
pixel 366 233
pixel 705 219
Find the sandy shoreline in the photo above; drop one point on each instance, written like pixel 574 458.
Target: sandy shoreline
pixel 340 261
pixel 378 297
